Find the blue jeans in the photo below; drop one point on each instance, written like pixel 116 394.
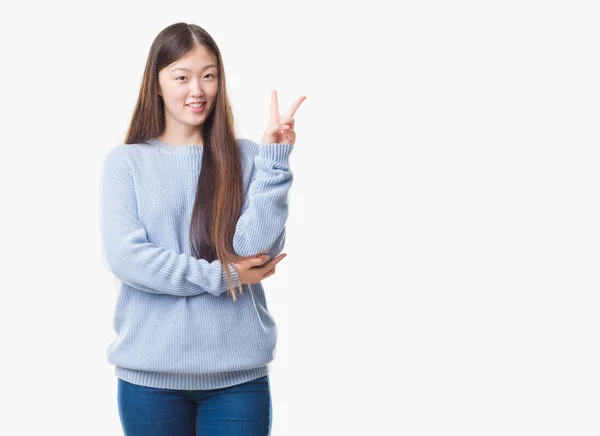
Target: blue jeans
pixel 243 409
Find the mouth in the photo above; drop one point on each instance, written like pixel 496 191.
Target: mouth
pixel 196 107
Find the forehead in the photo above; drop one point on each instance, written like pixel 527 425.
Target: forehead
pixel 197 59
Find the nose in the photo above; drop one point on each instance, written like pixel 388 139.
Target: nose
pixel 196 90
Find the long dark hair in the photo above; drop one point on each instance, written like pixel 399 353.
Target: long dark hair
pixel 219 193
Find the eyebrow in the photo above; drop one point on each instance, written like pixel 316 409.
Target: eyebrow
pixel 186 69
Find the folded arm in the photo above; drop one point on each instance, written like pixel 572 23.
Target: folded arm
pixel 136 261
pixel 150 268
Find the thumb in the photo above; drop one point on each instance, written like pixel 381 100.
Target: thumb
pixel 258 260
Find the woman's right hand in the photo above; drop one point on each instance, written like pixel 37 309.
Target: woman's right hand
pixel 257 268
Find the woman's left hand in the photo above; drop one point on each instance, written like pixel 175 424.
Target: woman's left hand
pixel 281 127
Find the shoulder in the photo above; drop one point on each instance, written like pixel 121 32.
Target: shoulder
pixel 120 155
pixel 248 151
pixel 247 146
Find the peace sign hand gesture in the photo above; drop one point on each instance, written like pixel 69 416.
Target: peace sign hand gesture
pixel 281 128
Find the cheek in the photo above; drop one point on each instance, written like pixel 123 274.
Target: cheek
pixel 177 100
pixel 174 92
pixel 212 90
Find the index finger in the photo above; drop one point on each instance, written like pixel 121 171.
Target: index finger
pixel 271 263
pixel 274 106
pixel 294 107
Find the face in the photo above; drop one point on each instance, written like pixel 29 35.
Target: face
pixel 191 78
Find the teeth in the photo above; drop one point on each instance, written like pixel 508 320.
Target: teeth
pixel 196 105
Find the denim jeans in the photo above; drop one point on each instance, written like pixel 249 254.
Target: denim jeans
pixel 243 409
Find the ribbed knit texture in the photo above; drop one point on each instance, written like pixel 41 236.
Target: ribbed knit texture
pixel 176 325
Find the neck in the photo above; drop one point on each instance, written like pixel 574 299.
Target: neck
pixel 194 138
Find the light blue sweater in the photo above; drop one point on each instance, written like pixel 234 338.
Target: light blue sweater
pixel 177 326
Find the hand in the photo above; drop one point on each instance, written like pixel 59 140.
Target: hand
pixel 255 269
pixel 281 128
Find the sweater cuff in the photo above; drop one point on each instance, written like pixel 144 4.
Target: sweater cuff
pixel 278 152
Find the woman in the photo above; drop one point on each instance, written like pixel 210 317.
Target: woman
pixel 194 336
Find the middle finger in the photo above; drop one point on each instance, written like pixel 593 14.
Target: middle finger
pixel 268 273
pixel 294 107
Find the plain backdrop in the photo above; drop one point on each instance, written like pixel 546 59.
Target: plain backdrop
pixel 442 270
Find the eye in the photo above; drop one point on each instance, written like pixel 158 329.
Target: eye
pixel 180 77
pixel 210 74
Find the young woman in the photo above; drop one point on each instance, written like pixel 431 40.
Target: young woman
pixel 192 220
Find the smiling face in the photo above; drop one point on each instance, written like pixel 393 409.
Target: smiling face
pixel 192 78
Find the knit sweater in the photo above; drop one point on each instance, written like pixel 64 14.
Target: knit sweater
pixel 176 325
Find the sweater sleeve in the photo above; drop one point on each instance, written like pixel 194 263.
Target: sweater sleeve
pixel 136 261
pixel 261 226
